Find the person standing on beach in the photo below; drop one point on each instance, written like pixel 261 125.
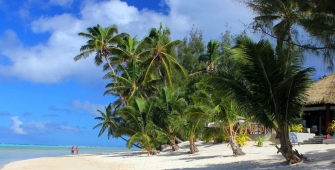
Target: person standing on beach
pixel 72 150
pixel 77 150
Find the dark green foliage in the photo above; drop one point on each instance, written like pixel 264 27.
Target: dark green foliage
pixel 189 50
pixel 160 62
pixel 109 122
pixel 215 134
pixel 282 20
pixel 271 87
pixel 138 123
pixel 158 103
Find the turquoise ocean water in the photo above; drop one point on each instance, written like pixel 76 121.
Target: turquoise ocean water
pixel 11 152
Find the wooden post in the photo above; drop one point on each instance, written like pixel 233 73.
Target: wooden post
pixel 327 116
pixel 319 127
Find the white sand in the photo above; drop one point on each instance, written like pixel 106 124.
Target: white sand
pixel 211 156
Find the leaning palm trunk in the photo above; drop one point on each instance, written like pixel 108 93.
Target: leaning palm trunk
pixel 193 149
pixel 160 72
pixel 173 144
pixel 175 147
pixel 110 66
pixel 232 142
pixel 292 156
pixel 132 144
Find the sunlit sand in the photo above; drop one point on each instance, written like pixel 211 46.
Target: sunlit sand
pixel 211 156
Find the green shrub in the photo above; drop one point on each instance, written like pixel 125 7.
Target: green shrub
pixel 296 128
pixel 331 128
pixel 215 134
pixel 241 139
pixel 260 141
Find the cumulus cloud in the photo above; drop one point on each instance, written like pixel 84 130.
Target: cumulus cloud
pixel 36 127
pixel 52 61
pixel 48 126
pixel 209 16
pixel 16 126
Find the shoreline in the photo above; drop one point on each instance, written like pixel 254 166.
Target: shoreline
pixel 17 152
pixel 211 156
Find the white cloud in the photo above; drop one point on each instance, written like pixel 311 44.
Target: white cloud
pixel 16 123
pixel 209 16
pixel 48 126
pixel 37 127
pixel 52 61
pixel 33 127
pixel 87 107
pixel 68 129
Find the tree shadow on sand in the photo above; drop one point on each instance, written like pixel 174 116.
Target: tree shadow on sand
pixel 127 154
pixel 320 155
pixel 318 160
pixel 261 164
pixel 211 144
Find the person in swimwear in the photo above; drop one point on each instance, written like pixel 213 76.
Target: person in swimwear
pixel 77 150
pixel 72 150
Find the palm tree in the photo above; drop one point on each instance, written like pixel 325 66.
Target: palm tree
pixel 160 58
pixel 228 112
pixel 276 19
pixel 272 91
pixel 110 122
pixel 138 124
pixel 281 19
pixel 168 114
pixel 131 49
pixel 128 83
pixel 212 55
pixel 319 22
pixel 196 116
pixel 221 109
pixel 210 58
pixel 101 42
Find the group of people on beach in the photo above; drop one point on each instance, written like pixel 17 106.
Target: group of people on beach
pixel 72 150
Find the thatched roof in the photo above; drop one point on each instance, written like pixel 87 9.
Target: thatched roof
pixel 322 92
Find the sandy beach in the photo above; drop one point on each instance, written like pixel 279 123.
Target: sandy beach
pixel 211 156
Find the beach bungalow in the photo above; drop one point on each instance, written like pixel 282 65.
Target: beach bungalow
pixel 319 111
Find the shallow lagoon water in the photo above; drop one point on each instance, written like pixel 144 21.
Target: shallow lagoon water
pixel 11 152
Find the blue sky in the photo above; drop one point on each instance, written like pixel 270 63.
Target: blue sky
pixel 46 97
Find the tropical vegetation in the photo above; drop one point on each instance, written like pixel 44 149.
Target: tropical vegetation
pixel 167 91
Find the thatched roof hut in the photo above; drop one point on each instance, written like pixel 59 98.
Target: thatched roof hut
pixel 322 92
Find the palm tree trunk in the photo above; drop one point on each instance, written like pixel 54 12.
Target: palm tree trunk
pixel 132 144
pixel 161 75
pixel 145 95
pixel 292 156
pixel 110 66
pixel 192 145
pixel 193 149
pixel 232 142
pixel 173 144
